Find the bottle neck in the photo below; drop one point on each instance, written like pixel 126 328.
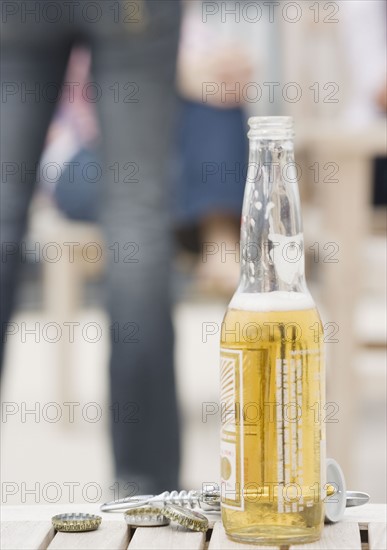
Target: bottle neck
pixel 272 244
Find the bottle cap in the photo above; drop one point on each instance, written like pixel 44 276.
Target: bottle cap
pixel 186 518
pixel 146 516
pixel 76 523
pixel 335 504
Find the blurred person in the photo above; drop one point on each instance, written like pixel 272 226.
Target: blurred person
pixel 364 41
pixel 133 66
pixel 363 33
pixel 218 58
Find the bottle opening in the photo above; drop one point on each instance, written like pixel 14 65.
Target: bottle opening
pixel 271 127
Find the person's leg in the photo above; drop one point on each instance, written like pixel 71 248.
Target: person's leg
pixel 33 59
pixel 136 125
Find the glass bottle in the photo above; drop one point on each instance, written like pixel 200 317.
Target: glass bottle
pixel 272 364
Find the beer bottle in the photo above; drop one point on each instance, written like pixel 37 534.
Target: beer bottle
pixel 272 364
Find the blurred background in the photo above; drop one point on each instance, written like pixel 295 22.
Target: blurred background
pixel 173 146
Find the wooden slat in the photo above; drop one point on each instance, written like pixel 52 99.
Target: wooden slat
pixel 220 541
pixel 18 531
pixel 368 513
pixel 29 535
pixel 110 534
pixel 377 536
pixel 339 536
pixel 167 538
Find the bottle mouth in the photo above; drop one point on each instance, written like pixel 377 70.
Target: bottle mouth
pixel 271 127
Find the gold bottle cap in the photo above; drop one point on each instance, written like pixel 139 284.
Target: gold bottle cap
pixel 186 518
pixel 76 523
pixel 146 516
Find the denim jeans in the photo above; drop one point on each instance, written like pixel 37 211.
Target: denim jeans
pixel 213 153
pixel 133 89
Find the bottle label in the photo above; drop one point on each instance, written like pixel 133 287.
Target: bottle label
pixel 272 437
pixel 231 451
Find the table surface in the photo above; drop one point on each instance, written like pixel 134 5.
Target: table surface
pixel 29 528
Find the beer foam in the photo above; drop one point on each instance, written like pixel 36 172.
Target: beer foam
pixel 272 301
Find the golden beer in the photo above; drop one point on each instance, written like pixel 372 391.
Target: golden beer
pixel 272 442
pixel 271 361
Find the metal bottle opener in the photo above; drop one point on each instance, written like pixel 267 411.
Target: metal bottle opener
pixel 338 498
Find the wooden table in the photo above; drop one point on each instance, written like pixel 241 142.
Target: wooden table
pixel 29 527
